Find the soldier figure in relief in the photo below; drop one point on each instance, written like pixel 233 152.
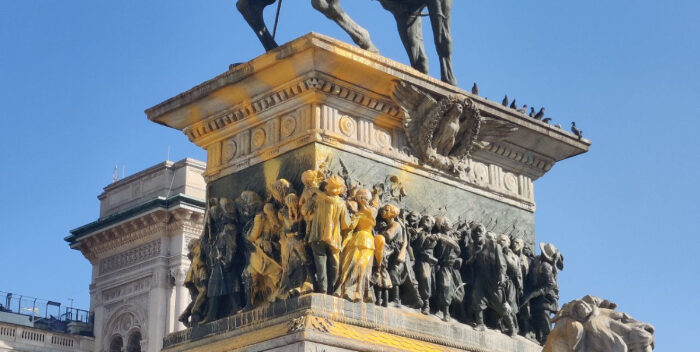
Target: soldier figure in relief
pixel 514 281
pixel 263 268
pixel 424 246
pixel 296 276
pixel 518 248
pixel 385 249
pixel 330 217
pixel 358 251
pixel 448 281
pixel 196 283
pixel 222 247
pixel 490 278
pixel 403 278
pixel 311 180
pixel 542 290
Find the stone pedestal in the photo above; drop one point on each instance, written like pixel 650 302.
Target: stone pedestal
pixel 317 101
pixel 318 322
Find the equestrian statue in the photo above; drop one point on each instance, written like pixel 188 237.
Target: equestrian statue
pixel 408 15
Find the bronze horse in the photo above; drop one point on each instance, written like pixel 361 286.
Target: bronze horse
pixel 408 15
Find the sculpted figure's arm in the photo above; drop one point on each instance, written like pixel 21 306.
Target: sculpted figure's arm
pixel 257 230
pixel 391 232
pixel 308 201
pixel 205 240
pixel 230 240
pixel 471 253
pixel 404 246
pixel 374 203
pixel 518 277
pixel 501 264
pixel 551 288
pixel 347 222
pixel 451 243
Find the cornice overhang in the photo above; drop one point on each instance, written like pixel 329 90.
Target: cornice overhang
pixel 315 68
pixel 162 203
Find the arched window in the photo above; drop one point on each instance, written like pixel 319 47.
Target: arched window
pixel 134 342
pixel 116 344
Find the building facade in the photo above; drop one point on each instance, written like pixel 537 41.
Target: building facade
pixel 24 329
pixel 25 338
pixel 138 252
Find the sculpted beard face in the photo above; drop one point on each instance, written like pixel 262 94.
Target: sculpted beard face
pixel 479 237
pixel 443 224
pixel 335 186
pixel 249 204
pixel 413 219
pixel 427 223
pixel 504 241
pixel 389 212
pixel 517 246
pixel 363 197
pixel 309 178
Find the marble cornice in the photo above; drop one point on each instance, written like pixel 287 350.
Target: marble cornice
pixel 314 83
pixel 318 90
pixel 138 230
pixel 179 200
pixel 516 158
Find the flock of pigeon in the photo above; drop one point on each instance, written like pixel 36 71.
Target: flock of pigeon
pixel 532 114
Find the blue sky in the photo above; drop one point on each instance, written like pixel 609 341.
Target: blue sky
pixel 75 77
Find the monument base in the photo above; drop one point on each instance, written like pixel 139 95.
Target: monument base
pixel 318 322
pixel 433 149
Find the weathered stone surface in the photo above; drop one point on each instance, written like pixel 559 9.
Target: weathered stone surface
pixel 592 324
pixel 319 90
pixel 334 324
pixel 430 194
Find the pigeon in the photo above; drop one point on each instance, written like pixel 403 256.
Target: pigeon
pixel 505 101
pixel 532 112
pixel 475 89
pixel 558 126
pixel 547 120
pixel 523 109
pixel 540 114
pixel 575 130
pixel 514 104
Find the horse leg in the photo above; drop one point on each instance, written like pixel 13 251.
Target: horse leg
pixel 332 10
pixel 410 25
pixel 440 12
pixel 252 11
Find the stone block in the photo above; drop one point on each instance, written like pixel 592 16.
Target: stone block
pixel 317 322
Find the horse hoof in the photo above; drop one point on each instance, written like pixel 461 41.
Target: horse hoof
pixel 372 49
